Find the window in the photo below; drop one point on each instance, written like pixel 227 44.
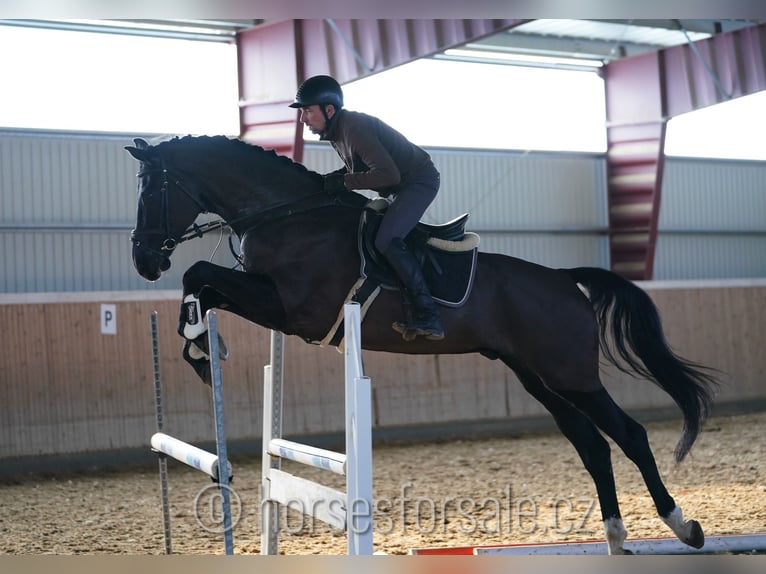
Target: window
pixel 460 104
pixel 731 130
pixel 89 81
pixel 85 81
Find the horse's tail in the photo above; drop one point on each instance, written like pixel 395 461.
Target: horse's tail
pixel 639 340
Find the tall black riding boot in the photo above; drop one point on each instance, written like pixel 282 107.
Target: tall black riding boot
pixel 425 316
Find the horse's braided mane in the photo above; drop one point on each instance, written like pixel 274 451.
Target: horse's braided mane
pixel 249 148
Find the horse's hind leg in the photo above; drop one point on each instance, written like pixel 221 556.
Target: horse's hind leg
pixel 594 452
pixel 631 437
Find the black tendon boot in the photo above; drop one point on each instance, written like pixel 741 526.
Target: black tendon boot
pixel 425 316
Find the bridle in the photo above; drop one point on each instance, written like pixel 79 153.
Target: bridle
pixel 163 228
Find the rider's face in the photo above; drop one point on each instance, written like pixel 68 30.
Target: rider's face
pixel 313 117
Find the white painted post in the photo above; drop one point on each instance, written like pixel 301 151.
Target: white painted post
pixel 273 379
pixel 280 487
pixel 359 511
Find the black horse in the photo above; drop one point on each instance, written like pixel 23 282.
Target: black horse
pixel 300 259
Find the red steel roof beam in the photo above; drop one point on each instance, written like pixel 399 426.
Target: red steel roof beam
pixel 274 58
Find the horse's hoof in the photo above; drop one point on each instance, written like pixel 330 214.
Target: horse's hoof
pixel 200 366
pixel 623 552
pixel 202 343
pixel 696 537
pixel 688 531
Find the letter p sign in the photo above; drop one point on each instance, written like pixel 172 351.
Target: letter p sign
pixel 108 319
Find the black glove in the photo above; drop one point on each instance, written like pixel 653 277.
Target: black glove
pixel 333 183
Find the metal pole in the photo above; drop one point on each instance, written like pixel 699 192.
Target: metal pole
pixel 220 430
pixel 161 457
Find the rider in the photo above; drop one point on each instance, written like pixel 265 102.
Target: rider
pixel 379 158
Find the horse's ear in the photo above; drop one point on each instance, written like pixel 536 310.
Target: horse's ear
pixel 137 152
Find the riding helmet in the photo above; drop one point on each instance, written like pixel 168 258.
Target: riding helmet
pixel 319 90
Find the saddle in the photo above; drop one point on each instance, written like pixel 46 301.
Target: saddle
pixel 446 252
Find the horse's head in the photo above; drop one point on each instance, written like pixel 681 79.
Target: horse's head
pixel 180 178
pixel 165 210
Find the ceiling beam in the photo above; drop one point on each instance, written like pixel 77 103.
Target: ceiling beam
pixel 713 71
pixel 642 93
pixel 690 25
pixel 569 47
pixel 275 58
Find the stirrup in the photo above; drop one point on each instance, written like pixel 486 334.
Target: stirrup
pixel 410 332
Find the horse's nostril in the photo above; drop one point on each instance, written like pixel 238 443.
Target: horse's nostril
pixel 149 265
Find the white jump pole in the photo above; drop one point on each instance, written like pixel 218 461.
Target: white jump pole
pixel 279 487
pixel 725 544
pixel 166 445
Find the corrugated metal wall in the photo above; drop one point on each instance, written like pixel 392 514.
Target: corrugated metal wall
pixel 545 207
pixel 551 208
pixel 67 203
pixel 713 220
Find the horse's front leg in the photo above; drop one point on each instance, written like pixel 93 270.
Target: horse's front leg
pixel 193 328
pixel 209 286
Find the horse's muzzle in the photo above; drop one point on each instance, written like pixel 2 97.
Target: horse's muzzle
pixel 149 263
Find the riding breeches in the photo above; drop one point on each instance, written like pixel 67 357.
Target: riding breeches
pixel 407 206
